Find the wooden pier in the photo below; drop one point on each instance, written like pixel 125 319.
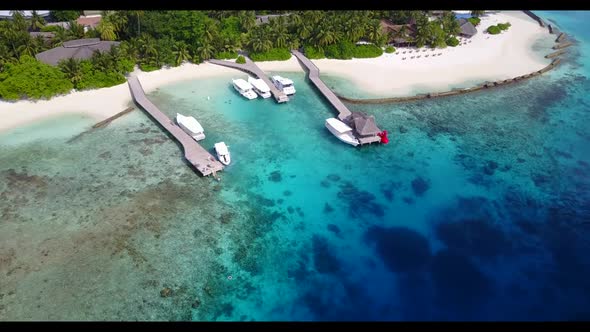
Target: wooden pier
pixel 344 114
pixel 194 153
pixel 251 68
pixel 314 77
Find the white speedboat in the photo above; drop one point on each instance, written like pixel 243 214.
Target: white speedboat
pixel 259 86
pixel 222 153
pixel 283 84
pixel 191 126
pixel 341 131
pixel 244 88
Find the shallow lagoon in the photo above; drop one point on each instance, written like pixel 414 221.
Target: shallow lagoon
pixel 477 209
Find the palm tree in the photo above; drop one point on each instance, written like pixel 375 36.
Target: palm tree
pixel 40 42
pixel 12 36
pixel 259 41
pixel 138 14
pixel 28 47
pixel 247 20
pixel 281 35
pixel 313 16
pixel 206 51
pixel 60 36
pixel 18 20
pixel 325 36
pixel 76 30
pixel 211 31
pixel 450 24
pixel 181 52
pixel 5 56
pixel 71 67
pixel 295 19
pixel 118 20
pixel 37 22
pixel 423 34
pixel 115 54
pixel 107 30
pixel 304 32
pixel 423 29
pixel 131 48
pixel 148 46
pixel 101 61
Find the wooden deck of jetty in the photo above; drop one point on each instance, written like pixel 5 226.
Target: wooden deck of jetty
pixel 194 153
pixel 251 68
pixel 314 77
pixel 343 112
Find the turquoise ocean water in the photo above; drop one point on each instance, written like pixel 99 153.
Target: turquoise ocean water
pixel 477 209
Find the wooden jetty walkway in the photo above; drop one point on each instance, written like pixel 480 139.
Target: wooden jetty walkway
pixel 314 76
pixel 251 68
pixel 196 155
pixel 344 114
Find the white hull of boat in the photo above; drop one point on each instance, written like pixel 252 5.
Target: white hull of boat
pixel 250 94
pixel 289 91
pixel 263 94
pixel 222 152
pixel 197 136
pixel 255 86
pixel 347 137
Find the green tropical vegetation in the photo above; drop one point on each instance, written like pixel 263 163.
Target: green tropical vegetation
pixel 241 59
pixel 279 54
pixel 452 42
pixel 504 26
pixel 154 39
pixel 389 49
pixel 65 15
pixel 494 30
pixel 474 20
pixel 32 79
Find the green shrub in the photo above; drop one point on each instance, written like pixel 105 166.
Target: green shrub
pixel 274 54
pixel 49 28
pixel 241 59
pixel 452 41
pixel 474 20
pixel 367 51
pixel 226 55
pixel 343 51
pixel 493 30
pixel 32 79
pixel 389 49
pixel 147 67
pixel 93 78
pixel 313 52
pixel 504 26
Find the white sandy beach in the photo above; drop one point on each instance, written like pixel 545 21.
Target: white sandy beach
pixel 498 57
pixel 486 57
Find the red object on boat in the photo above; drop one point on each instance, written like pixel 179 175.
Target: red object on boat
pixel 383 136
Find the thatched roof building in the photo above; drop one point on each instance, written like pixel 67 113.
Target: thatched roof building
pixel 363 124
pixel 77 49
pixel 397 36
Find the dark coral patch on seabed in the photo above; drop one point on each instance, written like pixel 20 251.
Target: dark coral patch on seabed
pixel 401 249
pixel 459 284
pixel 323 256
pixel 420 186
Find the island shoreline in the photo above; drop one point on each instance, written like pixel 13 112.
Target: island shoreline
pixel 106 102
